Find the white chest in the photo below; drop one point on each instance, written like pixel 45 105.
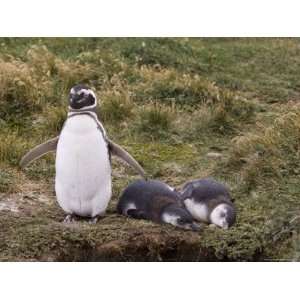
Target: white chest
pixel 83 171
pixel 199 211
pixel 82 146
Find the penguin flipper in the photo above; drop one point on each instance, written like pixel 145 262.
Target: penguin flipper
pixel 39 151
pixel 117 150
pixel 187 191
pixel 136 214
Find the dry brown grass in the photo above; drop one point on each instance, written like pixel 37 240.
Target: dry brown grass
pixel 116 106
pixel 11 147
pixel 20 87
pixel 270 152
pixel 25 85
pixel 155 120
pixel 168 84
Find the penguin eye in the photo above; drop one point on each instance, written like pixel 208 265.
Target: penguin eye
pixel 181 221
pixel 222 215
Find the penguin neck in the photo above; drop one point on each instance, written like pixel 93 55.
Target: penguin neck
pixel 164 210
pixel 91 113
pixel 92 109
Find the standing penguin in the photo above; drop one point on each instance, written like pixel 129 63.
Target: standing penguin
pixel 209 201
pixel 156 201
pixel 83 167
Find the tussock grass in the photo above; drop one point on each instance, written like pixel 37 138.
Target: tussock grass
pixel 167 86
pixel 271 153
pixel 12 147
pixel 47 64
pixel 155 120
pixel 225 117
pixel 116 107
pixel 6 180
pixel 20 89
pixel 106 64
pixel 51 123
pixel 229 112
pixel 28 85
pixel 165 52
pixel 70 73
pixel 214 108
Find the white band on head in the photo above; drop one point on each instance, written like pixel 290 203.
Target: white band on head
pixel 92 92
pixel 89 92
pixel 86 92
pixel 215 214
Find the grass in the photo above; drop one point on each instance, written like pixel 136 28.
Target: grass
pixel 116 108
pixel 6 180
pixel 155 121
pixel 169 102
pixel 272 153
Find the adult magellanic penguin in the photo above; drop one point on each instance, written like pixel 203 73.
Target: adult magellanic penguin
pixel 156 201
pixel 83 168
pixel 209 201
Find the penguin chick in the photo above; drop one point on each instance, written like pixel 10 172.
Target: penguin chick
pixel 156 201
pixel 209 201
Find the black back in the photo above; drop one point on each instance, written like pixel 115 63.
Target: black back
pixel 206 189
pixel 149 196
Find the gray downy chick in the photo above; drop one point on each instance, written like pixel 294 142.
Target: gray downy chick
pixel 156 201
pixel 209 201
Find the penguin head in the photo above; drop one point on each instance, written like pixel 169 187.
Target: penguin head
pixel 223 215
pixel 82 97
pixel 179 217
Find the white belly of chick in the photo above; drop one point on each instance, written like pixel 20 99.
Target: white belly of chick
pixel 198 211
pixel 83 170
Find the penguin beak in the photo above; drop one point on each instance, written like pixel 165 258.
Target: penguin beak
pixel 74 98
pixel 81 100
pixel 76 101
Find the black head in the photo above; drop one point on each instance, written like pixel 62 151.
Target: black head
pixel 230 215
pixel 81 96
pixel 180 217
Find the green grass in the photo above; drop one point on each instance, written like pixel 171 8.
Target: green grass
pixel 168 101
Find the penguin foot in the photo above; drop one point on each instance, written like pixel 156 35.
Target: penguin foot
pixel 69 219
pixel 94 220
pixel 136 214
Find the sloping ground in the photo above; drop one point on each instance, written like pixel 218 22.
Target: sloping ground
pixel 172 103
pixel 31 229
pixel 266 229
